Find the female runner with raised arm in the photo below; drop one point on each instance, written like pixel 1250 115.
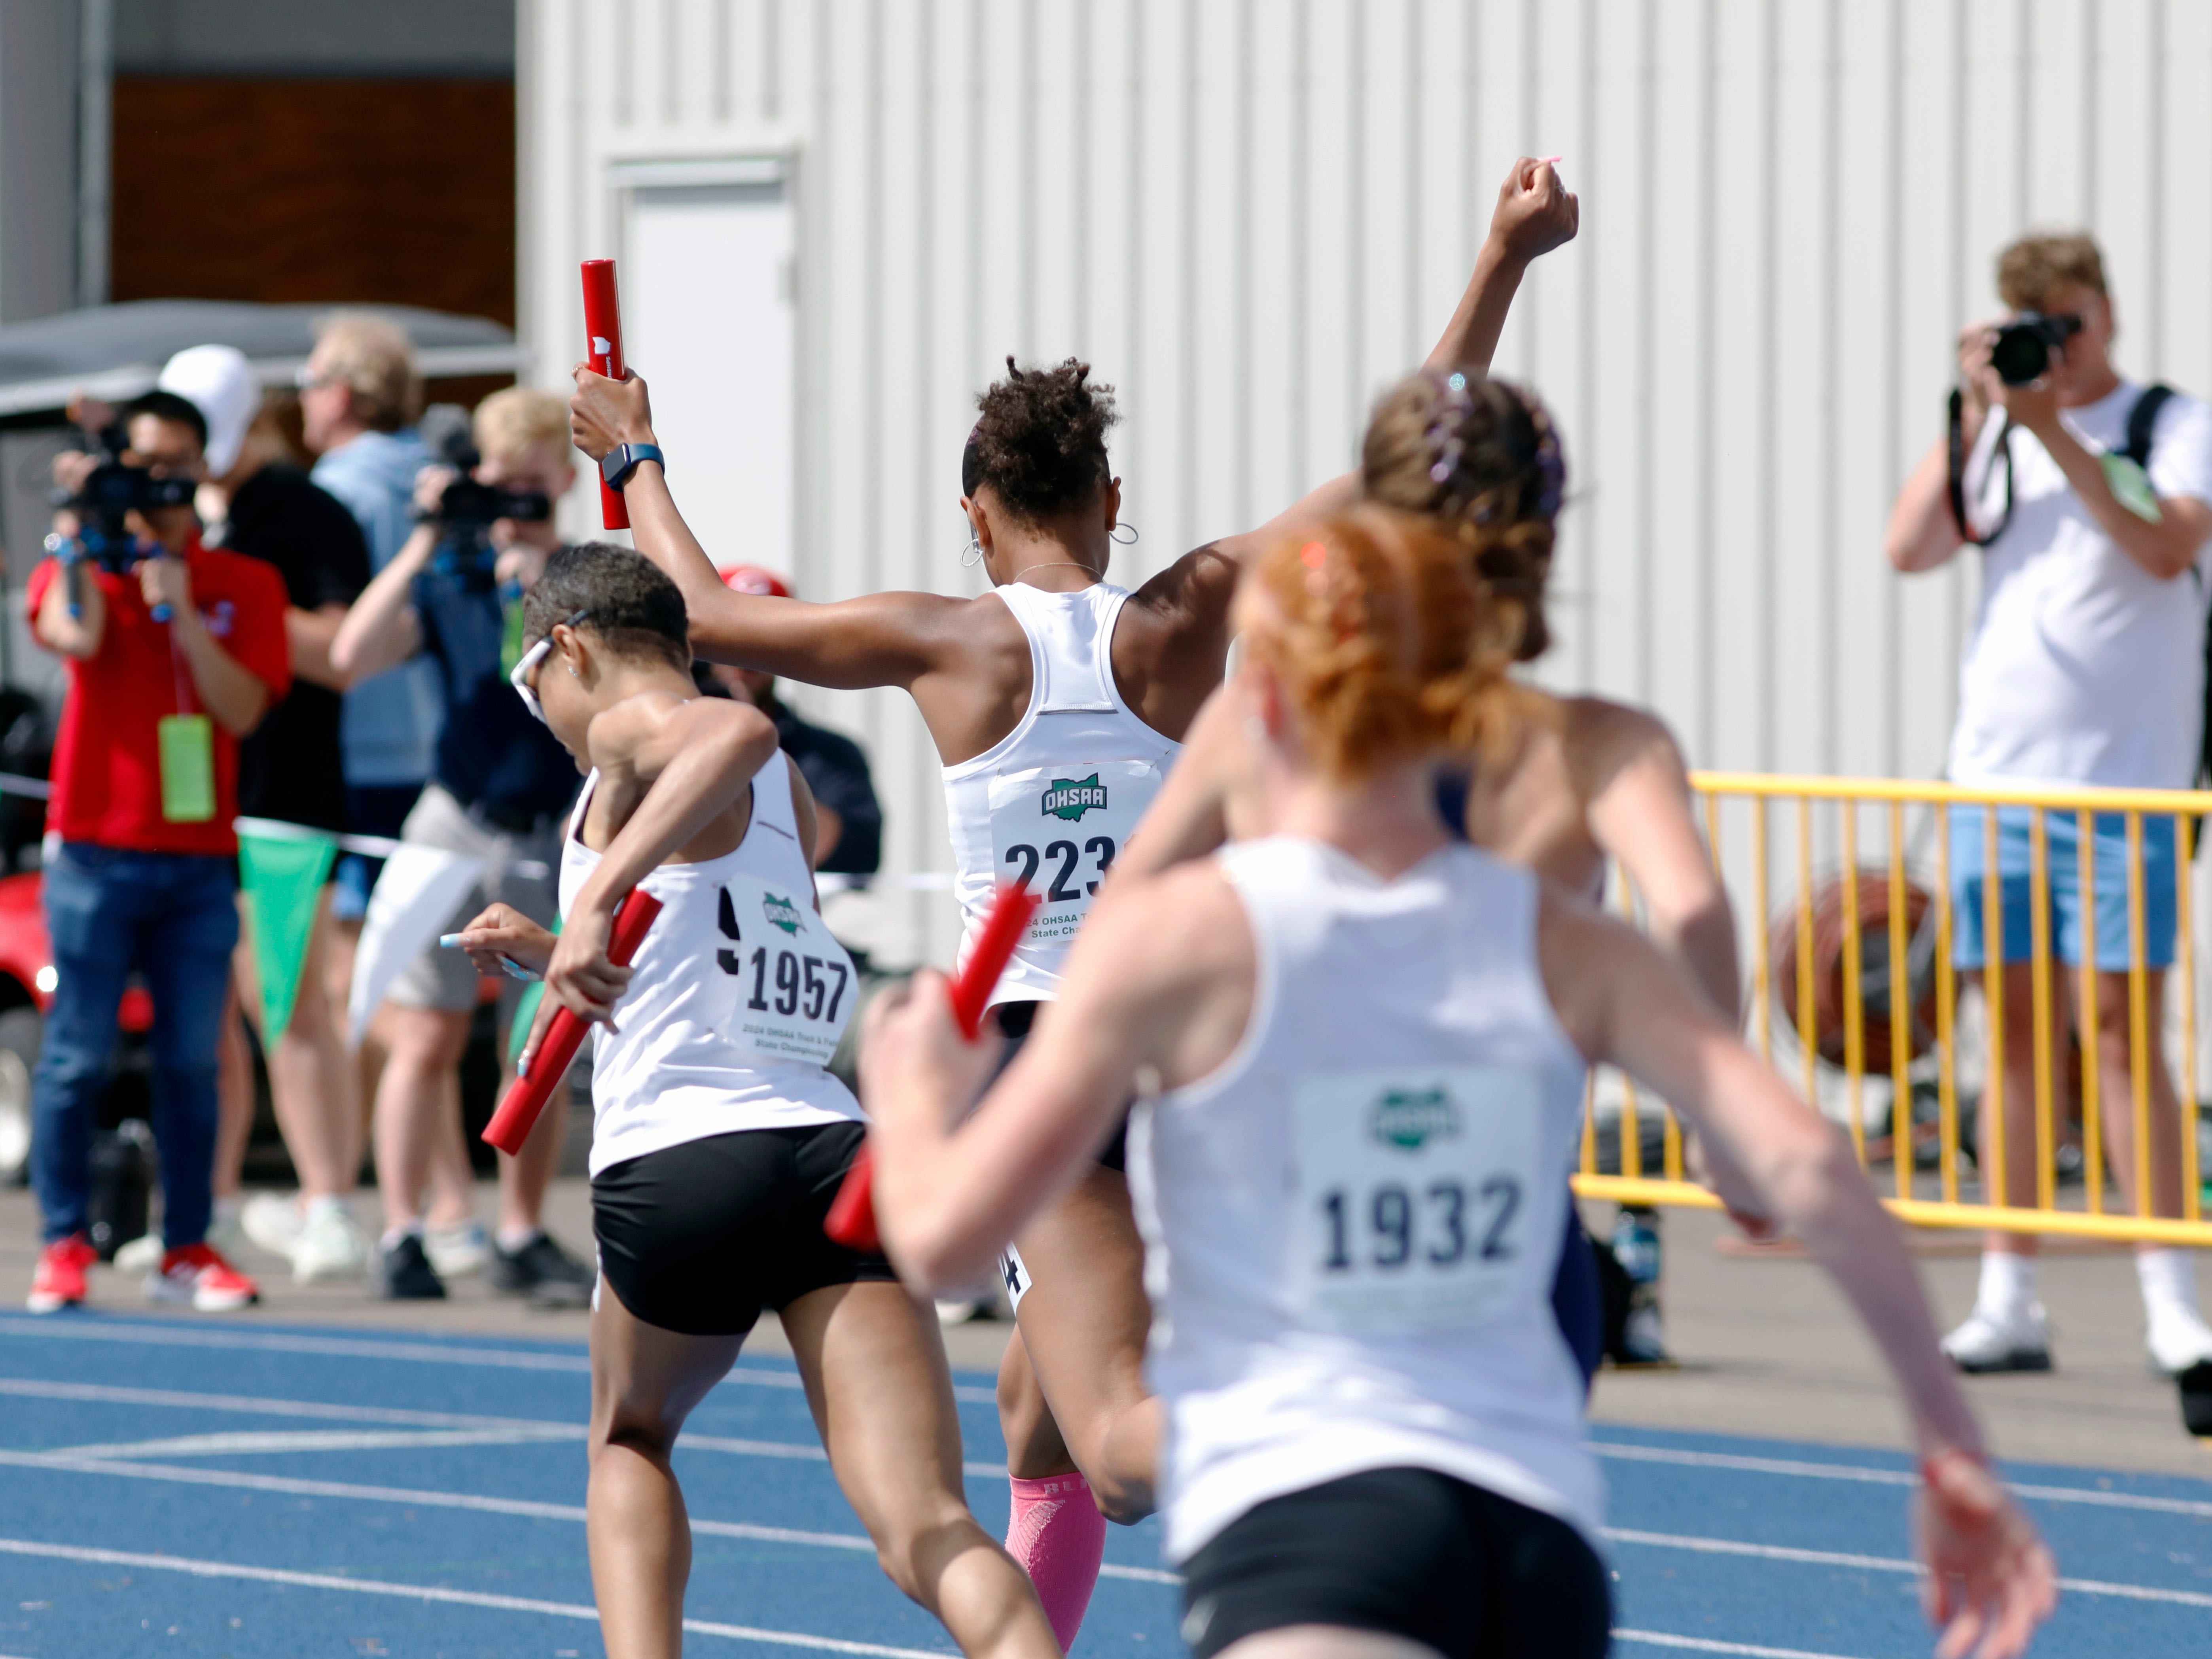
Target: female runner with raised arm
pixel 718 1139
pixel 1359 1048
pixel 1584 780
pixel 1057 702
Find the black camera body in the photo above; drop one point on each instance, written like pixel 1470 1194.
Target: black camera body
pixel 468 505
pixel 2022 350
pixel 111 492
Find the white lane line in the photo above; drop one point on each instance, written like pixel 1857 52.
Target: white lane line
pixel 787 1639
pixel 1653 1638
pixel 1884 1563
pixel 1695 1459
pixel 498 1430
pixel 351 1347
pixel 530 1509
pixel 319 1440
pixel 106 1395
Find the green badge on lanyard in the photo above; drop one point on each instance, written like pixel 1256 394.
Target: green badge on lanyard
pixel 187 746
pixel 2130 487
pixel 510 636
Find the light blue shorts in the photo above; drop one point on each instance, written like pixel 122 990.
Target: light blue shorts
pixel 1969 897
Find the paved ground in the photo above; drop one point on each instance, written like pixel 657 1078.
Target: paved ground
pixel 1767 1347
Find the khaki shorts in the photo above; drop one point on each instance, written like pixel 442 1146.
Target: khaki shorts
pixel 447 980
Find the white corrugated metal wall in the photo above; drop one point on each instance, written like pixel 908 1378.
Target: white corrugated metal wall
pixel 1252 214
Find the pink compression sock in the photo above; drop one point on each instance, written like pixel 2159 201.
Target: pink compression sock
pixel 1060 1538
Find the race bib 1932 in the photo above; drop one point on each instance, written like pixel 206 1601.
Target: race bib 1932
pixel 794 981
pixel 1057 830
pixel 1413 1190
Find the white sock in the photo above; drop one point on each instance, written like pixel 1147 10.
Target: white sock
pixel 2168 1278
pixel 325 1204
pixel 393 1235
pixel 226 1209
pixel 516 1240
pixel 2008 1283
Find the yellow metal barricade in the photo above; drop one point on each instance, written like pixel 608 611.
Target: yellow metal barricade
pixel 1856 966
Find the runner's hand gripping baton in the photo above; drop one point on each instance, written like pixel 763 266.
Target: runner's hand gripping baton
pixel 852 1218
pixel 517 1115
pixel 602 351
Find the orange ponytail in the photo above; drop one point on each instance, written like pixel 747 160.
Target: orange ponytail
pixel 1385 640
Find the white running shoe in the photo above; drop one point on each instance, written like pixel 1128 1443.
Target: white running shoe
pixel 458 1250
pixel 332 1245
pixel 2178 1337
pixel 139 1255
pixel 272 1221
pixel 1997 1342
pixel 224 1230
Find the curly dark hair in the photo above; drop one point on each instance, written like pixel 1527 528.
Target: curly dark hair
pixel 1481 458
pixel 1041 441
pixel 631 606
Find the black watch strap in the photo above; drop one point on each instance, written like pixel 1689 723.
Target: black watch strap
pixel 622 460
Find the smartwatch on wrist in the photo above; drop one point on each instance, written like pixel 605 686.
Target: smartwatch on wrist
pixel 622 460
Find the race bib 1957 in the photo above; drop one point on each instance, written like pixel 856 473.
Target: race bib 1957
pixel 1414 1190
pixel 1056 830
pixel 794 981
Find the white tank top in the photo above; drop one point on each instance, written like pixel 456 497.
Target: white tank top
pixel 1352 1227
pixel 739 993
pixel 1053 802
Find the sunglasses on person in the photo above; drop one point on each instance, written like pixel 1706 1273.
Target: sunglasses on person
pixel 520 679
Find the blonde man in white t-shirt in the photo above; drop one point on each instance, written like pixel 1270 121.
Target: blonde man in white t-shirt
pixel 2086 666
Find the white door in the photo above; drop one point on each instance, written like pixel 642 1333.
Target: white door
pixel 707 319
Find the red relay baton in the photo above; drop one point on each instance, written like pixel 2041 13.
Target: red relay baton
pixel 602 351
pixel 517 1115
pixel 852 1218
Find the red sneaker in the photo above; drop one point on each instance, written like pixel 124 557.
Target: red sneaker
pixel 59 1282
pixel 197 1275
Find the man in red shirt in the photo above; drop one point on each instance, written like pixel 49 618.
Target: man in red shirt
pixel 175 652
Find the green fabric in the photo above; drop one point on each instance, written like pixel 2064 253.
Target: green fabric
pixel 283 878
pixel 526 1010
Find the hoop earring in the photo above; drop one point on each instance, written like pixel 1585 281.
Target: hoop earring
pixel 973 555
pixel 1130 541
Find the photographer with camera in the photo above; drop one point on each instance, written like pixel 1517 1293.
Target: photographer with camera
pixel 175 651
pixel 499 791
pixel 2091 499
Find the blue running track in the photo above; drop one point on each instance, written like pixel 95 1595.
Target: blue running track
pixel 205 1488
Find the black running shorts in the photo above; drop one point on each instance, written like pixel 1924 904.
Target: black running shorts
pixel 1407 1552
pixel 1016 1020
pixel 698 1238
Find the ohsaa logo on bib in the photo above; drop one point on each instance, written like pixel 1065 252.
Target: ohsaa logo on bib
pixel 1070 798
pixel 781 913
pixel 1409 1119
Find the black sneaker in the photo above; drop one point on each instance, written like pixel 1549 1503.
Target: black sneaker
pixel 544 1272
pixel 403 1272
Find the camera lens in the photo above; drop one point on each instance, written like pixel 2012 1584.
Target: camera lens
pixel 2020 354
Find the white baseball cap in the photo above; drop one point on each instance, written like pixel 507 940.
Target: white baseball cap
pixel 218 381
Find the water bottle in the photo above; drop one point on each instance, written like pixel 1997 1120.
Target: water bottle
pixel 1642 1340
pixel 1636 1245
pixel 122 1166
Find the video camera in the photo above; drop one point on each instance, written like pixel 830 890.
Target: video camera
pixel 2022 350
pixel 111 492
pixel 469 509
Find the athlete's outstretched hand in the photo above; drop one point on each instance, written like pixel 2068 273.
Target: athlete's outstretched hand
pixel 580 975
pixel 1535 212
pixel 1991 1577
pixel 915 1066
pixel 606 412
pixel 501 930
